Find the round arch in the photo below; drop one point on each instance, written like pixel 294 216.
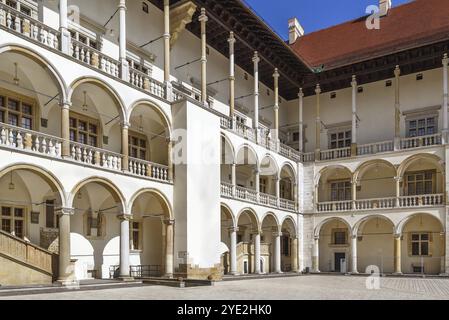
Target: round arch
pixel 252 216
pixel 290 220
pixel 228 210
pixel 320 225
pixel 250 149
pixel 155 107
pixel 271 161
pixel 289 167
pixel 43 62
pixel 363 167
pixel 52 180
pixel 159 195
pixel 400 226
pixel 111 187
pixel 228 142
pixel 359 224
pixel 437 161
pixel 102 84
pixel 329 168
pixel 272 215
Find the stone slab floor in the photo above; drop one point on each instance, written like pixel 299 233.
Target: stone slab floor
pixel 321 287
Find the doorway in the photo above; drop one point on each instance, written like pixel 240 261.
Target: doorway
pixel 340 261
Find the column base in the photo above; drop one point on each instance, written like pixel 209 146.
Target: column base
pixel 397 274
pixel 169 275
pixel 125 278
pixel 354 272
pixel 444 274
pixel 67 283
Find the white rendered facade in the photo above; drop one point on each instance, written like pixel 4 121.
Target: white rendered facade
pixel 155 182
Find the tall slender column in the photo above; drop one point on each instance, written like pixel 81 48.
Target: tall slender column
pixel 257 174
pixel 125 146
pixel 316 255
pixel 445 99
pixel 203 19
pixel 124 246
pixel 233 250
pixel 169 247
pixel 231 41
pixel 170 158
pixel 318 124
pixel 354 194
pixel 276 104
pixel 354 254
pixel 65 128
pixel 398 191
pixel 294 254
pixel 397 254
pixel 301 120
pixel 354 116
pixel 64 27
pixel 256 61
pixel 122 41
pixel 234 178
pixel 168 86
pixel 65 271
pixel 278 191
pixel 397 110
pixel 277 252
pixel 257 252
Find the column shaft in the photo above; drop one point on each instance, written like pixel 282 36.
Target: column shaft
pixel 122 42
pixel 203 19
pixel 277 252
pixel 166 41
pixel 169 248
pixel 65 129
pixel 231 42
pixel 124 246
pixel 170 160
pixel 354 117
pixel 276 104
pixel 233 251
pixel 301 120
pixel 234 178
pixel 445 99
pixel 63 27
pixel 318 124
pixel 316 255
pixel 257 253
pixel 397 108
pixel 397 254
pixel 64 244
pixel 354 254
pixel 256 61
pixel 125 147
pixel 294 255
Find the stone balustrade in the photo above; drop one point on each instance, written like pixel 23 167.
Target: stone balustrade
pixel 148 169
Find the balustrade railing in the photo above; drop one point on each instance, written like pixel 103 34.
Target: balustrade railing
pixel 373 148
pixel 287 204
pixel 334 206
pixel 421 200
pixel 145 82
pixel 424 141
pixel 95 156
pixel 148 169
pixel 227 190
pixel 381 203
pixel 335 154
pixel 246 194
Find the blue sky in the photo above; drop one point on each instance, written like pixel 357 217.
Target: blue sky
pixel 312 14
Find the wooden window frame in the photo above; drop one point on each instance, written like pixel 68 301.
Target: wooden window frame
pixel 346 189
pixel 137 230
pixel 415 173
pixel 89 121
pixel 420 243
pixel 141 137
pixel 426 127
pixel 334 233
pixel 8 95
pixel 12 218
pixel 347 141
pixel 263 185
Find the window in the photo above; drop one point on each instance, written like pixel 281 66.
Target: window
pixel 84 130
pixel 17 111
pixel 11 3
pixel 341 190
pixel 263 185
pixel 422 127
pixel 341 139
pixel 296 136
pixel 51 220
pixel 137 146
pixel 420 243
pixel 95 224
pixel 339 237
pixel 420 183
pixel 13 221
pixel 145 7
pixel 135 236
pixel 85 39
pixel 285 246
pixel 285 189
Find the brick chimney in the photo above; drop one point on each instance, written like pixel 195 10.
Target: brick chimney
pixel 295 30
pixel 384 7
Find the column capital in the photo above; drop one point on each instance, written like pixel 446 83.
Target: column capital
pixel 125 217
pixel 277 234
pixel 300 93
pixel 231 38
pixel 397 236
pixel 203 17
pixel 65 211
pixel 354 81
pixel 445 60
pixel 125 124
pixel 233 229
pixel 398 179
pixel 397 71
pixel 169 222
pixel 316 238
pixel 256 58
pixel 122 5
pixel 256 232
pixel 276 74
pixel 65 104
pixel 318 89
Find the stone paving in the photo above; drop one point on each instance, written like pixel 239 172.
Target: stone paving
pixel 298 288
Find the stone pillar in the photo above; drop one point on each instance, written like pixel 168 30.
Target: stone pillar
pixel 125 146
pixel 301 120
pixel 397 254
pixel 170 159
pixel 64 27
pixel 65 269
pixel 354 194
pixel 257 174
pixel 256 61
pixel 65 128
pixel 203 19
pixel 278 191
pixel 257 252
pixel 276 104
pixel 445 99
pixel 233 178
pixel 169 247
pixel 397 110
pixel 354 116
pixel 231 41
pixel 233 250
pixel 277 252
pixel 124 246
pixel 124 71
pixel 168 86
pixel 398 191
pixel 354 269
pixel 316 255
pixel 294 255
pixel 318 124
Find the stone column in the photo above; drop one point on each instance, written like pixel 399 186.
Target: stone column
pixel 64 27
pixel 397 254
pixel 301 120
pixel 445 99
pixel 354 116
pixel 169 248
pixel 318 124
pixel 276 104
pixel 257 252
pixel 124 246
pixel 65 268
pixel 398 191
pixel 354 269
pixel 124 73
pixel 232 41
pixel 397 110
pixel 354 194
pixel 125 146
pixel 170 159
pixel 316 255
pixel 294 254
pixel 256 61
pixel 277 252
pixel 233 250
pixel 168 86
pixel 65 128
pixel 233 178
pixel 203 19
pixel 257 173
pixel 278 191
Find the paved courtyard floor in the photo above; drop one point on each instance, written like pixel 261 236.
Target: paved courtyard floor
pixel 321 287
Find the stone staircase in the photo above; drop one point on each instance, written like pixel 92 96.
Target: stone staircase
pixel 23 263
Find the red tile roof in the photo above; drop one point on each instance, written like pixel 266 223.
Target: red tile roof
pixel 410 25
